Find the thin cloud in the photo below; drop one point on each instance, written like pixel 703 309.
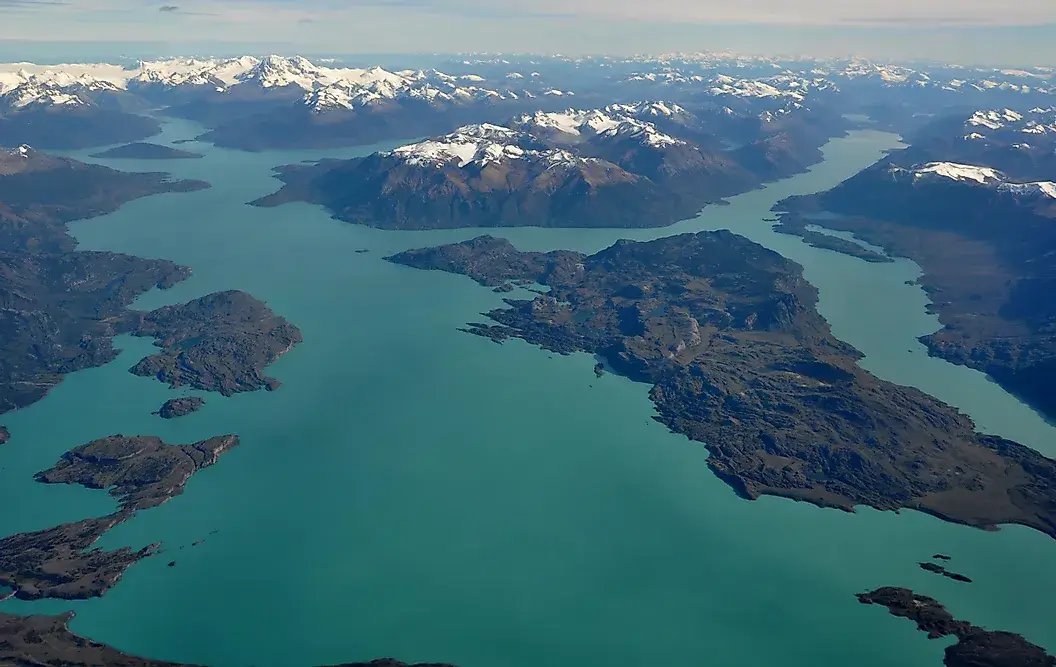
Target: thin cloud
pixel 169 8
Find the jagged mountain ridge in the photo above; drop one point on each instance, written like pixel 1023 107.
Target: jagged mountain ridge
pixel 574 168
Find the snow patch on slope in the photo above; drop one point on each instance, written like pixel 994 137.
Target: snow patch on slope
pixel 958 172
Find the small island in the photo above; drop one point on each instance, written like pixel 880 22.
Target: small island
pixel 142 150
pixel 796 226
pixel 935 568
pixel 178 407
pixel 141 472
pixel 5 435
pixel 975 647
pixel 728 335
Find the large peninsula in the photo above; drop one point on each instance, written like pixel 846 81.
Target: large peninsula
pixel 727 333
pixel 981 228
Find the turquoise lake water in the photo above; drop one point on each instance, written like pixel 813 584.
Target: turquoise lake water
pixel 416 492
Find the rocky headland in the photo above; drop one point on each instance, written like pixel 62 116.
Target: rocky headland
pixel 727 333
pixel 142 150
pixel 179 407
pixel 975 646
pixel 140 472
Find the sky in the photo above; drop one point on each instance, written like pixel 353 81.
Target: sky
pixel 1017 32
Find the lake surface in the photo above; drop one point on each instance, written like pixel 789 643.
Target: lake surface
pixel 416 492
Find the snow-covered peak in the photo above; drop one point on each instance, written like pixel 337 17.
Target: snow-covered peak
pixel 280 72
pixel 644 132
pixel 657 109
pixel 958 172
pixel 572 122
pixel 191 72
pixel 994 119
pixel 353 88
pixel 22 151
pixel 34 93
pixel 976 176
pixel 1039 188
pixel 337 87
pixel 480 143
pixel 584 123
pixel 1004 124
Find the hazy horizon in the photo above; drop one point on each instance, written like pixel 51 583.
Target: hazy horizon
pixel 967 32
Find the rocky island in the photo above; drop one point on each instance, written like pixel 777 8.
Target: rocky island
pixel 142 150
pixel 975 646
pixel 179 407
pixel 983 234
pixel 935 568
pixel 46 640
pixel 727 333
pixel 141 472
pixel 220 342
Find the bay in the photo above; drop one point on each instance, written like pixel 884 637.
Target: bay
pixel 418 492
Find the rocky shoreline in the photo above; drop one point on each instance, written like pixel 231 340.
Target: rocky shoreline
pixel 142 150
pixel 61 309
pixel 220 342
pixel 141 472
pixel 975 646
pixel 47 640
pixel 739 359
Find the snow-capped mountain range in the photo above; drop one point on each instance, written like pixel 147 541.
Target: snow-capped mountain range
pixel 321 88
pixel 1035 121
pixel 573 125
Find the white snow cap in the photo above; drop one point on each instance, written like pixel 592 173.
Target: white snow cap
pixel 994 119
pixel 959 172
pixel 325 87
pixel 590 122
pixel 480 145
pixel 1039 188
